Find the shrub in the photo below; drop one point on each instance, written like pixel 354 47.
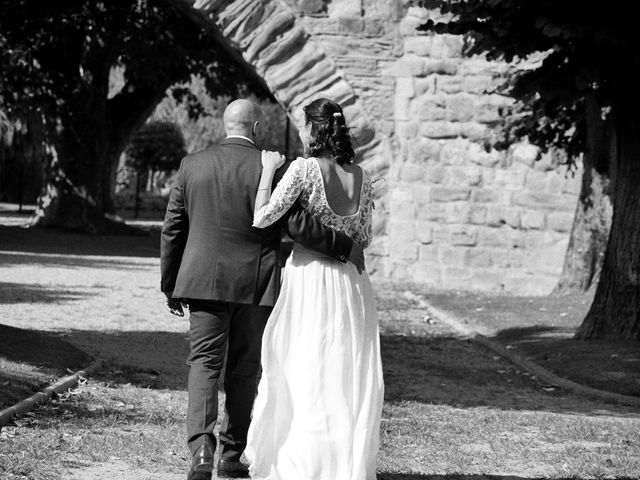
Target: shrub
pixel 156 146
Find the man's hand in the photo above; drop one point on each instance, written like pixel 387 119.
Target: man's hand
pixel 357 257
pixel 174 306
pixel 272 160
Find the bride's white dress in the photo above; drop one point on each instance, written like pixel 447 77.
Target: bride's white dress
pixel 319 403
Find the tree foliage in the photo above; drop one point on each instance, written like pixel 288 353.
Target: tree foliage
pixel 50 51
pixel 579 48
pixel 56 59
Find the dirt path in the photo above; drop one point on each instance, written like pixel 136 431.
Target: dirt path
pixel 117 469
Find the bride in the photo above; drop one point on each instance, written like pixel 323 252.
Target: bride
pixel 318 408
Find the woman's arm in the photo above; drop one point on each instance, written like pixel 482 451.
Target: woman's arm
pixel 270 207
pixel 271 161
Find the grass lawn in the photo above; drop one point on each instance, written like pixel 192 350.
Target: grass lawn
pixel 453 410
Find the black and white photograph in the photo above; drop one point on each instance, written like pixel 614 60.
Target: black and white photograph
pixel 319 240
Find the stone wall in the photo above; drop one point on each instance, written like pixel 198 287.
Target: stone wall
pixel 450 214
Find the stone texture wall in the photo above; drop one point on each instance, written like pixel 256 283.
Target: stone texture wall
pixel 449 213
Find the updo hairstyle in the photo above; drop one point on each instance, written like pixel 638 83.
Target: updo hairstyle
pixel 329 132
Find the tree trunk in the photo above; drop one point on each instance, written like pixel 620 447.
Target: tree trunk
pixel 77 195
pixel 615 311
pixel 592 220
pixel 78 188
pixel 84 155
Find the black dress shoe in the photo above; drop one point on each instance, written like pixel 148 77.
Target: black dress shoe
pixel 227 469
pixel 202 462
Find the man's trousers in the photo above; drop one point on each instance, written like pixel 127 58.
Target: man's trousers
pixel 217 329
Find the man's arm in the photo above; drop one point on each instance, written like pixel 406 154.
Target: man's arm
pixel 307 230
pixel 173 239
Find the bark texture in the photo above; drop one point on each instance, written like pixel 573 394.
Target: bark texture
pixel 592 220
pixel 615 311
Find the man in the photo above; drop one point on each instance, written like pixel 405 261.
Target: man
pixel 227 273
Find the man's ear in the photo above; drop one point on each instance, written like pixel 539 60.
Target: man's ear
pixel 254 129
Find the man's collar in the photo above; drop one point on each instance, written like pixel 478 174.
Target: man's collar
pixel 240 136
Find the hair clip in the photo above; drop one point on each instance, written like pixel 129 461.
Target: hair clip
pixel 337 114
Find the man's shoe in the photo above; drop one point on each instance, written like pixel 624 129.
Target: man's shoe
pixel 202 462
pixel 227 469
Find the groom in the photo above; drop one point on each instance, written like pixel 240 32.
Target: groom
pixel 227 272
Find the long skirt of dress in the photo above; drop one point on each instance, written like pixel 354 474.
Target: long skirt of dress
pixel 319 403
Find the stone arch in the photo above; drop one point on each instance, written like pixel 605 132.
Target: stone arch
pixel 449 214
pixel 294 66
pixel 273 39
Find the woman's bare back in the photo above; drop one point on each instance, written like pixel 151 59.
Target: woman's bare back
pixel 342 186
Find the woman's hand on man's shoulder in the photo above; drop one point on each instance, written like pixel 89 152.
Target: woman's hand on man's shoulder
pixel 272 160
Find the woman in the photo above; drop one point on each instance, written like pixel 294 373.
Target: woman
pixel 317 413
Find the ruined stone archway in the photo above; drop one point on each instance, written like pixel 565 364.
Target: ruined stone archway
pixel 449 214
pixel 274 39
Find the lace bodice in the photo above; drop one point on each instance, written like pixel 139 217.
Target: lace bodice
pixel 303 180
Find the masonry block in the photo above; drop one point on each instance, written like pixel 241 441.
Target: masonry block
pixel 477 154
pixel 480 257
pixel 493 237
pixel 431 212
pixel 560 221
pixel 411 172
pixel 463 236
pixel 405 87
pixel 460 108
pixel 533 219
pixel 454 152
pixel 426 273
pixel 544 200
pixel 525 154
pixel 424 149
pixel 431 107
pixel 440 129
pixel 453 256
pixel 469 175
pixel 477 214
pixel 498 216
pixel 537 181
pixel 424 232
pixel 486 195
pixel 513 177
pixel 449 194
pixel 457 212
pixel 434 173
pixel 428 254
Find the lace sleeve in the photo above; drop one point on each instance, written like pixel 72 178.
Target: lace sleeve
pixel 283 196
pixel 366 220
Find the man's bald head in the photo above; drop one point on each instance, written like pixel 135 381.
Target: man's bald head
pixel 240 118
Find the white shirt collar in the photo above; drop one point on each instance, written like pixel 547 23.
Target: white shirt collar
pixel 240 136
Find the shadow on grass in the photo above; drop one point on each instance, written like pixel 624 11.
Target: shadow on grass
pixel 56 241
pixel 30 360
pixel 455 476
pixel 459 373
pixel 439 371
pixel 68 261
pixel 429 370
pixel 606 365
pixel 11 293
pixel 40 349
pixel 532 332
pixel 541 329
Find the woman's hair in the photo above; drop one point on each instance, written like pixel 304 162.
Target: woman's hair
pixel 329 132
